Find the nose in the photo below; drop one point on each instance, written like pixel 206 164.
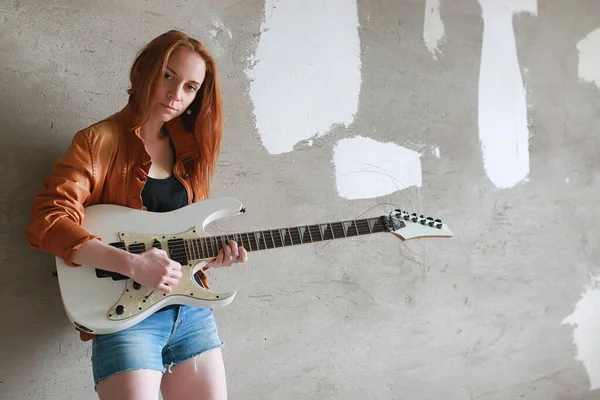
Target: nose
pixel 174 93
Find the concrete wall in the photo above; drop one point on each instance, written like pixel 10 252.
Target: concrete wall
pixel 508 155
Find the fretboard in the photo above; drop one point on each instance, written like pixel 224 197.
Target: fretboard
pixel 208 247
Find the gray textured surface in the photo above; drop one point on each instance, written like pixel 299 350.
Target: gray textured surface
pixel 475 317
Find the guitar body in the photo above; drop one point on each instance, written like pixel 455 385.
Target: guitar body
pixel 91 302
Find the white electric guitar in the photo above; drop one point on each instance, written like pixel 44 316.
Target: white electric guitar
pixel 101 302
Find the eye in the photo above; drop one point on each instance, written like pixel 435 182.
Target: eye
pixel 167 76
pixel 192 88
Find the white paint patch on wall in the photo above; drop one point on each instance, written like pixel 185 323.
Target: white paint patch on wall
pixel 589 58
pixel 503 128
pixel 306 75
pixel 220 36
pixel 586 321
pixel 366 168
pixel 433 27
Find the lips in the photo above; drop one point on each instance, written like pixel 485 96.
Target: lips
pixel 169 107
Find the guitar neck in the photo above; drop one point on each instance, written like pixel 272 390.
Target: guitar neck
pixel 198 249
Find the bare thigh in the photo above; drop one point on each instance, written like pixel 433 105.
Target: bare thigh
pixel 142 384
pixel 200 378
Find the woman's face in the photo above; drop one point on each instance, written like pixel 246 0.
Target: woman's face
pixel 181 82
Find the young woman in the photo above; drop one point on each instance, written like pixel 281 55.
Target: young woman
pixel 158 154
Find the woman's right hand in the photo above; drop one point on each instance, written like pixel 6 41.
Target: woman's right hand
pixel 154 269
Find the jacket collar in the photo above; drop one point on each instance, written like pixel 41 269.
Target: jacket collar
pixel 183 141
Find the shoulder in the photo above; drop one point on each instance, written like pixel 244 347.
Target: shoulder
pixel 100 136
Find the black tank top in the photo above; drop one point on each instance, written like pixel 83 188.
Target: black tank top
pixel 162 195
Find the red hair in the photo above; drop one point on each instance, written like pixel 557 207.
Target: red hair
pixel 206 120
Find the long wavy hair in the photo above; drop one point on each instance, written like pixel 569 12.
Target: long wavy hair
pixel 206 119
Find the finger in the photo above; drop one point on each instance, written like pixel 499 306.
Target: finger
pixel 174 265
pixel 234 249
pixel 160 252
pixel 164 288
pixel 170 281
pixel 227 253
pixel 175 274
pixel 219 260
pixel 243 254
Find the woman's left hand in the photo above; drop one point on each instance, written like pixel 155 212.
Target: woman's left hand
pixel 230 253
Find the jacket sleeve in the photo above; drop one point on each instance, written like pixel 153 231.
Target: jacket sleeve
pixel 57 210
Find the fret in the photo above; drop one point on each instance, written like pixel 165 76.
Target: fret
pixel 376 225
pixel 272 239
pixel 340 227
pixel 201 248
pixel 282 236
pixel 347 231
pixel 294 231
pixel 300 235
pixel 364 227
pixel 198 249
pixel 249 246
pixel 188 245
pixel 252 241
pixel 205 245
pixel 325 229
pixel 309 234
pixel 314 230
pixel 214 245
pixel 264 239
pixel 278 236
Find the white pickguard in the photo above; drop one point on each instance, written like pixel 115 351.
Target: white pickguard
pixel 88 299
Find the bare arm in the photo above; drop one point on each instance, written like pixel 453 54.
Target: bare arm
pixel 153 268
pixel 97 254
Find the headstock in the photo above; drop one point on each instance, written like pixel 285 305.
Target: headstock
pixel 412 226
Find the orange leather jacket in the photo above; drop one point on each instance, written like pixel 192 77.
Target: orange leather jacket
pixel 106 163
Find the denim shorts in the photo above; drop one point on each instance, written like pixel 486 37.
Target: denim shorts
pixel 164 339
